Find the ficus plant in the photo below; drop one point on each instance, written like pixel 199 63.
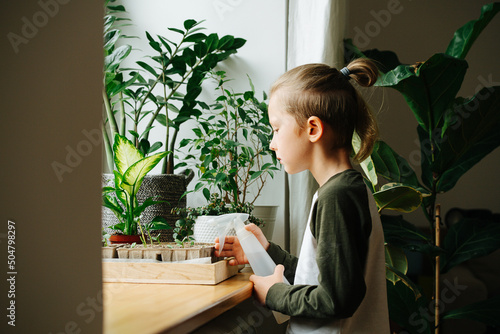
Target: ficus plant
pixel 455 133
pixel 230 146
pixel 161 90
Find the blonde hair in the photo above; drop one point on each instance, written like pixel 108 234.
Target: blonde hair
pixel 323 91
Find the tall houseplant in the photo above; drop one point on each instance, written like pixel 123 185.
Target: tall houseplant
pixel 230 150
pixel 162 90
pixel 455 133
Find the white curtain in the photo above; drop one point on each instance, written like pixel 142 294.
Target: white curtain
pixel 315 35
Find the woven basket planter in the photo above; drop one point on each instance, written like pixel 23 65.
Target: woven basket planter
pixel 164 187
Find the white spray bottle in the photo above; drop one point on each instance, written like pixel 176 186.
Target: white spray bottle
pixel 259 259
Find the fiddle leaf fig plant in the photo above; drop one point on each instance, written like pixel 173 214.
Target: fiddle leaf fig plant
pixel 132 167
pixel 455 133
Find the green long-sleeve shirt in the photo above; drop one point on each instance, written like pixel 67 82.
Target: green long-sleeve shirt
pixel 341 225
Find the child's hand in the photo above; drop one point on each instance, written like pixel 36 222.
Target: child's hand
pixel 262 284
pixel 232 246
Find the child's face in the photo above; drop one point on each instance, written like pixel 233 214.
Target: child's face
pixel 289 142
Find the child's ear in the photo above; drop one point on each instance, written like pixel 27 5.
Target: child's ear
pixel 315 128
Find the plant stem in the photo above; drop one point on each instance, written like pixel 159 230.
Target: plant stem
pixel 109 113
pixel 122 116
pixel 437 269
pixel 108 148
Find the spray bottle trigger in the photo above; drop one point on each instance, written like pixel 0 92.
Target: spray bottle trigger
pixel 224 223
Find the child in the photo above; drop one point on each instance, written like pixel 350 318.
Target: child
pixel 338 282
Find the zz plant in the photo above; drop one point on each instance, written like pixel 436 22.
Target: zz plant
pixel 162 90
pixel 455 133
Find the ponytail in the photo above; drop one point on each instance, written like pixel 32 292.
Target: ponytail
pixel 323 91
pixel 365 73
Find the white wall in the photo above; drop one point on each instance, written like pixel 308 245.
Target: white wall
pixel 262 23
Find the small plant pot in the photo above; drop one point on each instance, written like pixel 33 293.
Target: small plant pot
pixel 179 254
pixel 152 253
pixel 109 252
pixel 123 252
pixel 205 232
pixel 124 239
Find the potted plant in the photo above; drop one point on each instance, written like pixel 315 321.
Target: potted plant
pixel 132 166
pixel 445 122
pixel 230 149
pixel 162 90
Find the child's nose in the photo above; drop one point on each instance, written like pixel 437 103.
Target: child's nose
pixel 272 145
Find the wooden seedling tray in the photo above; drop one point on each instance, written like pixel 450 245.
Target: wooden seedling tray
pixel 148 271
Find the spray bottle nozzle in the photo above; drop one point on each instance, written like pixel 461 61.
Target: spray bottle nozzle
pixel 224 223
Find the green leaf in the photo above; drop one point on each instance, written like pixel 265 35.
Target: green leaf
pixel 176 30
pixel 212 42
pixel 470 132
pixel 147 203
pixel 148 68
pixel 112 61
pixel 125 153
pixel 367 164
pixel 392 166
pixel 407 311
pixel 400 233
pixel 133 176
pixel 466 36
pixel 485 311
pixel 189 23
pixel 469 239
pixel 159 223
pixel 206 193
pixel 226 42
pixel 429 88
pixel 395 258
pixel 195 38
pixel 111 203
pixel 398 197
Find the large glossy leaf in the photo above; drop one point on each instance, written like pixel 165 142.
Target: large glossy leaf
pixel 468 239
pixel 133 176
pixel 486 311
pixel 392 166
pixel 395 258
pixel 400 233
pixel 429 88
pixel 125 153
pixel 465 36
pixel 398 197
pixel 406 311
pixel 470 132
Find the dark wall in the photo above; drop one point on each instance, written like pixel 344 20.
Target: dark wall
pixel 51 81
